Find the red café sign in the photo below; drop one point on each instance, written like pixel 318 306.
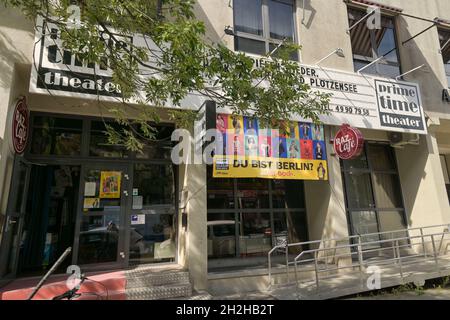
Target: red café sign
pixel 348 142
pixel 20 126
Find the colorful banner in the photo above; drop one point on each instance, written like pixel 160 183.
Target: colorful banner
pixel 251 151
pixel 110 184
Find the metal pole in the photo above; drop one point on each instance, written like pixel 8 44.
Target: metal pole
pixel 52 269
pixel 269 261
pixel 434 252
pixel 443 47
pixel 295 272
pixel 441 242
pixel 423 243
pixel 324 58
pixel 360 20
pixel 399 259
pixel 410 71
pixel 287 262
pixel 316 270
pixel 368 65
pixel 360 259
pixel 413 37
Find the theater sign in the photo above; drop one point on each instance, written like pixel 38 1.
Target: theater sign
pixel 364 101
pixel 360 100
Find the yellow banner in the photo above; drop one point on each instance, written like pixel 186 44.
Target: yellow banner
pixel 270 168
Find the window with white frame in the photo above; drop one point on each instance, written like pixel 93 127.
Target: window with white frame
pixel 444 39
pixel 261 25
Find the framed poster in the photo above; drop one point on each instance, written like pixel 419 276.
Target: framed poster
pixel 110 184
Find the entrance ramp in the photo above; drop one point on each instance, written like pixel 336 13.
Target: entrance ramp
pixel 333 268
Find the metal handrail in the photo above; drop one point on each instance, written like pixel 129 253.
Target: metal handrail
pixel 396 247
pixel 322 243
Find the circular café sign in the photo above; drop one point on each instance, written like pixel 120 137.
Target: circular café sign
pixel 348 142
pixel 20 126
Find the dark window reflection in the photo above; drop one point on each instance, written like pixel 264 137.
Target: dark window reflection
pixel 154 240
pixel 220 192
pixel 221 235
pixel 253 193
pixel 153 184
pixel 281 20
pixel 248 16
pixel 99 238
pixel 256 234
pixel 250 46
pixel 267 213
pixel 56 136
pixel 153 219
pixel 288 194
pixel 100 146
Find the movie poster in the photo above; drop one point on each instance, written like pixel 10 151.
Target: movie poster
pixel 250 150
pixel 110 184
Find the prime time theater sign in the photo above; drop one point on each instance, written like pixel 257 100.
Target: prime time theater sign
pixel 364 101
pixel 360 100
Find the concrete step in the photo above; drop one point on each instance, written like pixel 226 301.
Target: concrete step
pixel 138 280
pixel 160 292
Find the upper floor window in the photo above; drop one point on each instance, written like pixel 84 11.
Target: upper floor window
pixel 261 25
pixel 371 44
pixel 444 39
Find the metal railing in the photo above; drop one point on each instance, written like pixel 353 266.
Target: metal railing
pixel 386 249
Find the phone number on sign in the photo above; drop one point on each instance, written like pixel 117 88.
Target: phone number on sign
pixel 351 110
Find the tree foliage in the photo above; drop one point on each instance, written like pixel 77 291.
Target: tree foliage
pixel 176 61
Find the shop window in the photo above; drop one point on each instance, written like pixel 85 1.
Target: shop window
pixel 444 40
pixel 99 145
pixel 261 25
pixel 265 213
pixel 287 194
pixel 221 235
pixel 358 163
pixel 387 190
pixel 381 160
pixel 256 233
pixel 220 193
pixel 297 227
pixel 56 136
pixel 359 190
pixel 373 192
pixel 153 224
pixel 160 146
pixel 370 44
pixel 153 184
pixel 253 193
pixel 99 238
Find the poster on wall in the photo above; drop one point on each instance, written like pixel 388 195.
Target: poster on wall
pixel 110 184
pixel 91 203
pixel 251 151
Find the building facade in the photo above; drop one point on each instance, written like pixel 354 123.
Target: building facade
pixel 60 193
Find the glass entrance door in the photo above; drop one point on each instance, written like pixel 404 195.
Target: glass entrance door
pixel 10 245
pixel 101 224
